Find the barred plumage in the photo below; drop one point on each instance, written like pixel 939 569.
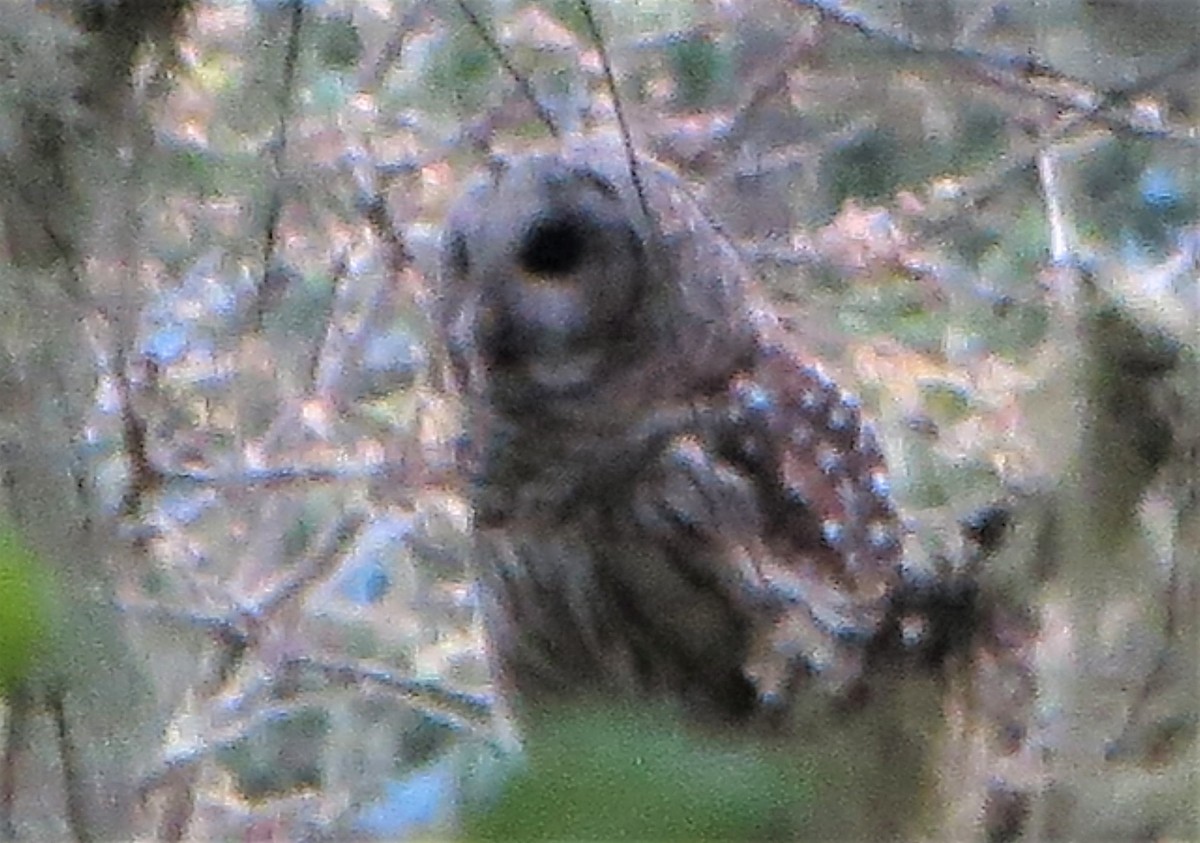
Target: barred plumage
pixel 669 501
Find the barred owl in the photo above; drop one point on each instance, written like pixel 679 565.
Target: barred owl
pixel 669 501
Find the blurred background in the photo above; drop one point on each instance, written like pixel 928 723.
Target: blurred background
pixel 234 601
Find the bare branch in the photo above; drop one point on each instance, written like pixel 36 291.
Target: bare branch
pixel 1025 75
pixel 461 710
pixel 1061 240
pixel 274 276
pixel 337 539
pixel 275 477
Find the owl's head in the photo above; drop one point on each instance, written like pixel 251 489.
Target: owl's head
pixel 562 289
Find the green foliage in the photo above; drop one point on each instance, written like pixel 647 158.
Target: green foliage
pixel 938 482
pixel 702 70
pixel 895 309
pixel 204 172
pixel 460 72
pixel 1019 252
pixel 282 756
pixel 1126 437
pixel 298 537
pixel 425 740
pixel 569 14
pixel 866 167
pixel 338 44
pixel 639 775
pixel 875 163
pixel 1010 327
pixel 945 402
pixel 303 307
pixel 27 610
pixel 1136 193
pixel 631 18
pixel 1111 170
pixel 362 641
pixel 980 140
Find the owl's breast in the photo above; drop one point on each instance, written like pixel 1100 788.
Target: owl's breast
pixel 599 596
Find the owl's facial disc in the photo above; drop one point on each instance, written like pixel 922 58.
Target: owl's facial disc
pixel 567 301
pixel 549 282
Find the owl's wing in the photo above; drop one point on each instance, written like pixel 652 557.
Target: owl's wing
pixel 777 497
pixel 833 539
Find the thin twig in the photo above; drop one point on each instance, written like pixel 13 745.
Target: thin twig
pixel 72 771
pixel 237 636
pixel 310 571
pixel 69 279
pixel 143 476
pixel 1023 74
pixel 1023 64
pixel 489 40
pixel 463 712
pixel 393 48
pixel 271 277
pixel 19 708
pixel 379 216
pixel 289 475
pixel 768 85
pixel 461 709
pixel 1186 63
pixel 326 364
pixel 626 137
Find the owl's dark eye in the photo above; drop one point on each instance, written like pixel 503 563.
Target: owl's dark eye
pixel 553 247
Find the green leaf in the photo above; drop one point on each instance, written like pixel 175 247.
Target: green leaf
pixel 641 775
pixel 26 609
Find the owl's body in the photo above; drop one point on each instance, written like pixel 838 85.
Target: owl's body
pixel 668 500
